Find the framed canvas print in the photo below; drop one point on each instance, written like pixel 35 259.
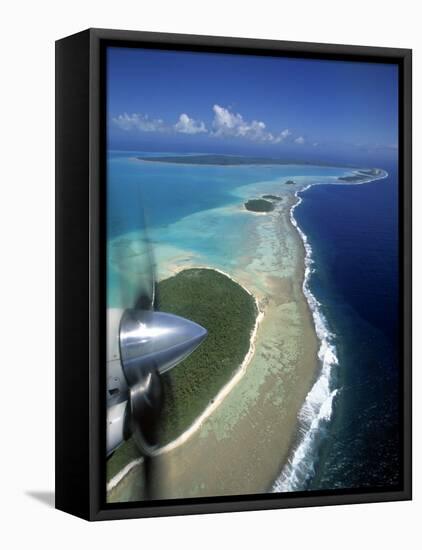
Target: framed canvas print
pixel 233 274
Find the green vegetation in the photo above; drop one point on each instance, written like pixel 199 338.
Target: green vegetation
pixel 228 312
pixel 289 182
pixel 127 452
pixel 271 197
pixel 232 160
pixel 259 205
pixel 218 160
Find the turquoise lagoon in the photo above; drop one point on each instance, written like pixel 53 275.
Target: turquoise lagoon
pixel 194 214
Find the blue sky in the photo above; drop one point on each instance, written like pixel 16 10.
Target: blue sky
pixel 193 102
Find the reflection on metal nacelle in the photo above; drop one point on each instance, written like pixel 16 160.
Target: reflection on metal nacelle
pixel 148 343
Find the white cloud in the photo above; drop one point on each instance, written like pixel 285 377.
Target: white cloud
pixel 229 124
pixel 187 125
pixel 140 122
pixel 225 123
pixel 282 136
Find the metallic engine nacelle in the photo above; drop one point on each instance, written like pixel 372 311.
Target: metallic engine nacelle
pixel 138 341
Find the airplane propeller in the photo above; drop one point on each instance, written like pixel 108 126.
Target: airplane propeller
pixel 151 342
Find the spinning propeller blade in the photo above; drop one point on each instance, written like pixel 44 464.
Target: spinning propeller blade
pixel 150 342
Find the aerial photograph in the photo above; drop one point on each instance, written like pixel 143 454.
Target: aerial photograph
pixel 252 275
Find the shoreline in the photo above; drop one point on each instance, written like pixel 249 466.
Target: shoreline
pixel 116 479
pixel 318 405
pixel 226 389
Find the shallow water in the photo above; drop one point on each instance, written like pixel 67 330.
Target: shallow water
pixel 194 214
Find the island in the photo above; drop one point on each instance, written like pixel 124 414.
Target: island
pixel 361 176
pixel 229 313
pixel 289 182
pixel 233 160
pixel 372 172
pixel 259 205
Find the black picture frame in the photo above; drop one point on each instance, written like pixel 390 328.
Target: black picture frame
pixel 80 271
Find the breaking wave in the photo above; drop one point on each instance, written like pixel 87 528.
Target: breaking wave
pixel 317 408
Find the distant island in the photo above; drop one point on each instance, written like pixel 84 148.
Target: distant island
pixel 361 176
pixel 289 182
pixel 232 160
pixel 229 313
pixel 259 205
pixel 372 172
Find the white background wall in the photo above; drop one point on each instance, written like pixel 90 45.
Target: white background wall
pixel 27 37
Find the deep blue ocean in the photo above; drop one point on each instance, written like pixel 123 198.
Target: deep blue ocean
pixel 353 231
